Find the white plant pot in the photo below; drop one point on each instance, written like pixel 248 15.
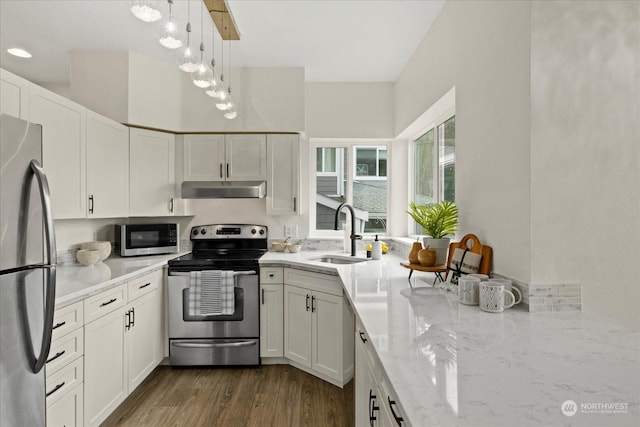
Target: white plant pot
pixel 441 246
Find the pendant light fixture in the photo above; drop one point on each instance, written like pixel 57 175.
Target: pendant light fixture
pixel 146 10
pixel 223 96
pixel 169 30
pixel 214 85
pixel 230 112
pixel 203 74
pixel 186 57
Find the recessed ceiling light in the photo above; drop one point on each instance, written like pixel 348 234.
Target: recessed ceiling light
pixel 20 53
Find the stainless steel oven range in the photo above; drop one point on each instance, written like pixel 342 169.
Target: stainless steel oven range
pixel 231 338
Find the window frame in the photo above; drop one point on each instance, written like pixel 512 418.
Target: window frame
pixel 349 144
pixel 377 175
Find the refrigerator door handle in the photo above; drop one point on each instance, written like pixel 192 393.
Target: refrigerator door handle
pixel 47 215
pixel 50 270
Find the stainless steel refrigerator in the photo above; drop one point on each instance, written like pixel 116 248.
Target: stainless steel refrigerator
pixel 27 274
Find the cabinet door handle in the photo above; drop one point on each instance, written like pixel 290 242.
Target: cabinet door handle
pixel 145 285
pixel 221 170
pixel 56 356
pixel 171 205
pixel 127 321
pixel 398 418
pixel 90 203
pixel 313 304
pixel 56 388
pixel 372 408
pixel 262 296
pixel 363 337
pixel 133 317
pixel 227 170
pixel 57 325
pixel 295 204
pixel 111 301
pixel 307 302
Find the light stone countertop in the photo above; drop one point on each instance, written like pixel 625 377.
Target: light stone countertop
pixel 454 365
pixel 76 282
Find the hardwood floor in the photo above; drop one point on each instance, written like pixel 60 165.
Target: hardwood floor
pixel 272 395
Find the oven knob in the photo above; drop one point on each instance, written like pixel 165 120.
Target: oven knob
pixel 253 231
pixel 261 231
pixel 195 231
pixel 203 231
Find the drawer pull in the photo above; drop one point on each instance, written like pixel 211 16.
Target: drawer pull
pixel 57 325
pixel 363 337
pixel 56 356
pixel 398 419
pixel 112 300
pixel 271 275
pixel 56 388
pixel 145 285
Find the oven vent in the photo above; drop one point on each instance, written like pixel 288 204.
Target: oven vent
pixel 223 190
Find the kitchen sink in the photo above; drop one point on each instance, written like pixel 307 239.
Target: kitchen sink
pixel 337 259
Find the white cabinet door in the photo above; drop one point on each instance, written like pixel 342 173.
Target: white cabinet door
pixel 246 157
pixel 144 337
pixel 283 176
pixel 105 379
pixel 297 324
pixel 63 150
pixel 204 158
pixel 151 173
pixel 327 334
pixel 271 320
pixel 14 95
pixel 68 410
pixel 107 167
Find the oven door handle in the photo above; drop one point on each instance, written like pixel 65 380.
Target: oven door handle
pixel 214 345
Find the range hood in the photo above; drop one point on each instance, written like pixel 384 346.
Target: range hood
pixel 223 190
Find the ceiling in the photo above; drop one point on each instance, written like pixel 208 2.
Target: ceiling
pixel 347 40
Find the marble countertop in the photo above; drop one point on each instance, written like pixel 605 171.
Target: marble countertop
pixel 454 365
pixel 76 282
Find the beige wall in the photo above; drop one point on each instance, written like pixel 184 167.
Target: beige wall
pixel 482 49
pixel 585 152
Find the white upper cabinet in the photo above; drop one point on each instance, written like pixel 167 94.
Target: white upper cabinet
pixel 283 174
pixel 107 167
pixel 217 157
pixel 151 173
pixel 63 150
pixel 14 95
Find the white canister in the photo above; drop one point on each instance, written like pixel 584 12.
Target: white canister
pixel 468 290
pixel 493 297
pixel 376 249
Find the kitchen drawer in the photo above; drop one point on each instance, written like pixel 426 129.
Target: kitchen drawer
pixel 68 410
pixel 271 275
pixel 65 350
pixel 61 382
pixel 67 319
pixel 363 340
pixel 314 281
pixel 145 284
pixel 104 303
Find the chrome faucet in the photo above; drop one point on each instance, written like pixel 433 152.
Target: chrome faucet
pixel 353 236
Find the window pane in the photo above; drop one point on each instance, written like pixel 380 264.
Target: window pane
pixel 447 132
pixel 330 187
pixel 423 185
pixel 318 159
pixel 370 202
pixel 366 161
pixel 382 162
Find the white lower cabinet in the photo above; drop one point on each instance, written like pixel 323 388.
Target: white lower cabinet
pixel 68 410
pixel 318 326
pixel 271 320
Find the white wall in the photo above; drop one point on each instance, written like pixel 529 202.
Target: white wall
pixel 349 110
pixel 482 49
pixel 585 152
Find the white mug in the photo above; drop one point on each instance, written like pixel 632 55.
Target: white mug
pixel 508 286
pixel 468 290
pixel 493 297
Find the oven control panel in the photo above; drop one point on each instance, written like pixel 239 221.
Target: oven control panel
pixel 228 231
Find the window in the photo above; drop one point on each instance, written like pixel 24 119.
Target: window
pixel 435 165
pixel 355 173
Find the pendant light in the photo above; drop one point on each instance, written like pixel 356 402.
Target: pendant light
pixel 230 112
pixel 223 97
pixel 146 10
pixel 203 74
pixel 214 85
pixel 169 30
pixel 186 57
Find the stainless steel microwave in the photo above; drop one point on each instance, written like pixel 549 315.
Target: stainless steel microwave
pixel 145 239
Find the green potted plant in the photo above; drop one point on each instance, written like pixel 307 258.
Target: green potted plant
pixel 438 220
